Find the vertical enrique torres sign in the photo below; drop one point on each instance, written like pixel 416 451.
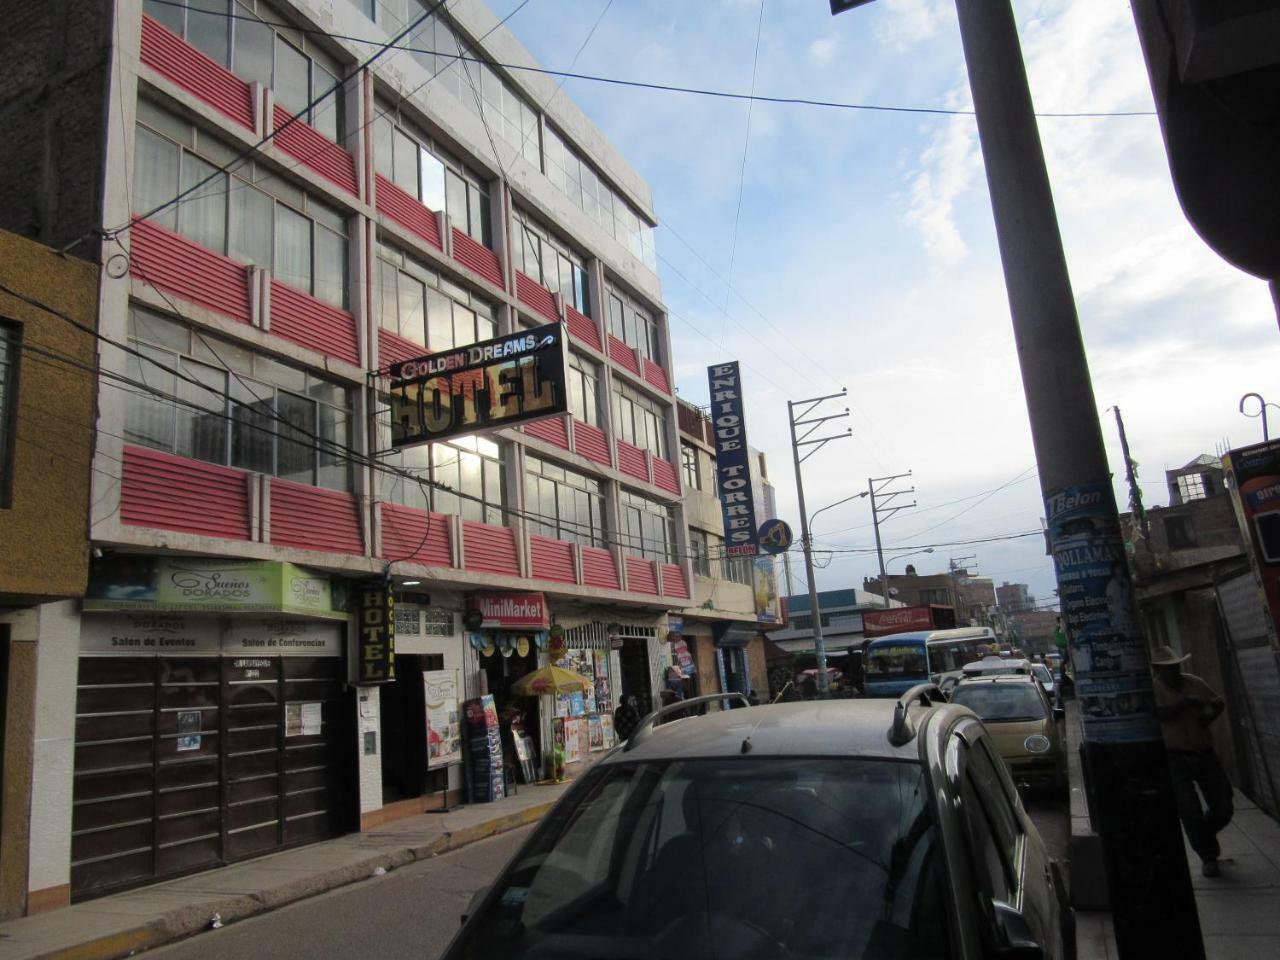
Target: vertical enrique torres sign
pixel 733 474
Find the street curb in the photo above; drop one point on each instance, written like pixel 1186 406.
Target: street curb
pixel 183 922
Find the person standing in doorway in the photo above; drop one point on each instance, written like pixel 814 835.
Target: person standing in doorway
pixel 626 718
pixel 1186 706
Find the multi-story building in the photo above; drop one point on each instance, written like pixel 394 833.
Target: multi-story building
pixel 1014 597
pixel 47 355
pixel 734 598
pixel 282 214
pixel 971 596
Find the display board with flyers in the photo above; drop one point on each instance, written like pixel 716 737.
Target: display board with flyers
pixel 443 718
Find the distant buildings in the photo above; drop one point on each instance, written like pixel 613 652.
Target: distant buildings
pixel 1013 597
pixel 973 597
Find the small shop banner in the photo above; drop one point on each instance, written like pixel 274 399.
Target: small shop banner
pixel 683 656
pixel 444 726
pixel 375 632
pixel 512 611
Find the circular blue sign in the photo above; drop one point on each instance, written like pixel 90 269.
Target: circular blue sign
pixel 774 536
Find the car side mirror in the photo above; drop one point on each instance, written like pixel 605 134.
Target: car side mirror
pixel 1014 939
pixel 477 898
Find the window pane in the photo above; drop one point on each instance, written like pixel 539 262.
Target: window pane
pixel 406 163
pixel 295 456
pixel 331 267
pixel 251 54
pixel 383 139
pixel 293 249
pixel 464 325
pixel 155 176
pixel 148 419
pixel 250 225
pixel 207 31
pixel 388 300
pixel 439 320
pixel 202 214
pixel 456 200
pixel 293 78
pixel 325 115
pixel 475 216
pixel 446 470
pixel 335 429
pixel 493 491
pixel 253 426
pixel 432 194
pixel 164 13
pixel 412 302
pixel 201 428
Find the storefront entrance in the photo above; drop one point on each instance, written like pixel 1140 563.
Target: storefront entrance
pixel 186 763
pixel 403 712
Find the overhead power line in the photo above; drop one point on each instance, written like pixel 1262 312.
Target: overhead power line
pixel 696 91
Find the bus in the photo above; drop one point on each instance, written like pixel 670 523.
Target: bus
pixel 896 663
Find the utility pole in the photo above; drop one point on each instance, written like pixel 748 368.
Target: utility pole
pixel 1151 897
pixel 876 489
pixel 786 565
pixel 802 418
pixel 1135 491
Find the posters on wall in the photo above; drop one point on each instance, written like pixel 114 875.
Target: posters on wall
pixel 1107 651
pixel 595 727
pixel 484 749
pixel 1253 475
pixel 444 726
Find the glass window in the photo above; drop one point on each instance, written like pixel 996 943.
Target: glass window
pixel 292 248
pixel 165 13
pixel 670 855
pixel 208 27
pixel 699 551
pixel 639 420
pixel 584 391
pixel 292 77
pixel 326 114
pixel 689 464
pixel 202 214
pixel 649 527
pixel 251 224
pixel 551 262
pixel 406 163
pixel 433 180
pixel 155 176
pixel 563 503
pixel 253 46
pixel 330 267
pixel 269 423
pixel 1002 701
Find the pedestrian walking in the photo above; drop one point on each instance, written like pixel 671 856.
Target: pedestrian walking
pixel 1186 706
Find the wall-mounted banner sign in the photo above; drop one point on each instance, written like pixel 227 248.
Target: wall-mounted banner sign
pixel 775 536
pixel 733 473
pixel 194 584
pixel 375 632
pixel 491 384
pixel 1113 682
pixel 512 611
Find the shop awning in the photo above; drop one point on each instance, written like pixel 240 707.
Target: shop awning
pixel 735 634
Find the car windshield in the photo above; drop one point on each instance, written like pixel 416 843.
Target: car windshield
pixel 744 858
pixel 1042 673
pixel 1001 701
pixel 894 660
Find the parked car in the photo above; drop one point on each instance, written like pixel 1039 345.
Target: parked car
pixel 845 828
pixel 1047 680
pixel 1025 728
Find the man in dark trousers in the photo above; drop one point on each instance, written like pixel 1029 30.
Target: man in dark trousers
pixel 1187 706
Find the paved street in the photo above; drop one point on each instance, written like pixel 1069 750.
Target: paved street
pixel 410 913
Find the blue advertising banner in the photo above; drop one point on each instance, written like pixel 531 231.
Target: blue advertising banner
pixel 733 470
pixel 1113 682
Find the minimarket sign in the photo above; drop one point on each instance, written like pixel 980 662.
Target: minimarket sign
pixel 194 585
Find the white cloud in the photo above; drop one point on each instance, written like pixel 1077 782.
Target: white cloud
pixel 905 23
pixel 823 51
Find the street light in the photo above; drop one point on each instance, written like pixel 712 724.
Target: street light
pixel 856 496
pixel 904 555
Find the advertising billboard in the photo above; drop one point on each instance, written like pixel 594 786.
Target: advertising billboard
pixel 495 383
pixel 1253 476
pixel 376 632
pixel 733 461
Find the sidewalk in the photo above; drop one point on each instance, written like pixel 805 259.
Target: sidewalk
pixel 1240 910
pixel 126 923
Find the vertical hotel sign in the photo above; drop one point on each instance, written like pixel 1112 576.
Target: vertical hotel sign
pixel 733 473
pixel 376 638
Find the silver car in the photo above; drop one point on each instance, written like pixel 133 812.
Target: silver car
pixel 847 828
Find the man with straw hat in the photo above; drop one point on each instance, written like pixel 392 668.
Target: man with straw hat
pixel 1186 706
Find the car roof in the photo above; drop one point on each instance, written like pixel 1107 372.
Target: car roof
pixel 837 728
pixel 998 678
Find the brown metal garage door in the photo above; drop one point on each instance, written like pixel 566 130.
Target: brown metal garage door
pixel 182 764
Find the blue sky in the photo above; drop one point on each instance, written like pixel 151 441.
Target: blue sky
pixel 866 254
